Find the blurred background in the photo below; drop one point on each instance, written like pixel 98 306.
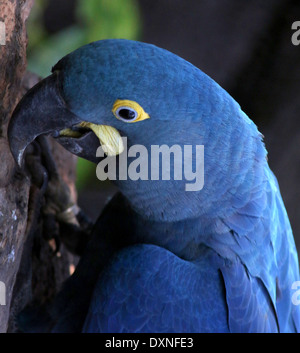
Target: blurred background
pixel 244 45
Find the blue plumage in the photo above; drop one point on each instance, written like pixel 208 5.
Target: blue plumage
pixel 221 259
pixel 127 299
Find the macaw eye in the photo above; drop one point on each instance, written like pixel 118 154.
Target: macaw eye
pixel 129 111
pixel 126 114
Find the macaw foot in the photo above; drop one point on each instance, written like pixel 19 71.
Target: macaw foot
pixel 63 220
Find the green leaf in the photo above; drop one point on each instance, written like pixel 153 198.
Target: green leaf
pixel 52 49
pixel 109 18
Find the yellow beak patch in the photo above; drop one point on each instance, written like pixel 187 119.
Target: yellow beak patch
pixel 109 137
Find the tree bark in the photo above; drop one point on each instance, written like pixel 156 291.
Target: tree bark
pixel 31 268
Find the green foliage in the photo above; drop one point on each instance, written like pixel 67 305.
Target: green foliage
pixel 95 19
pixel 109 19
pixel 85 173
pixel 53 48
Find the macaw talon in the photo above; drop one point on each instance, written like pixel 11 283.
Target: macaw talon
pixel 38 172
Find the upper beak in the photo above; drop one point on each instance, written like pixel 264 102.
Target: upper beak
pixel 40 111
pixel 43 111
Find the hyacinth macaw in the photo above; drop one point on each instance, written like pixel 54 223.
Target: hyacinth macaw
pixel 163 259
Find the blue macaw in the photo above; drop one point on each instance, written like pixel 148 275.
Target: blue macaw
pixel 163 259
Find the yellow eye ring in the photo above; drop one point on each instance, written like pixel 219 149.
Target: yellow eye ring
pixel 129 111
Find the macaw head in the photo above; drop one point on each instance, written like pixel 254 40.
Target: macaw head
pixel 112 89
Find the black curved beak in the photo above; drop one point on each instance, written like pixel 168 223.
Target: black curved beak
pixel 43 111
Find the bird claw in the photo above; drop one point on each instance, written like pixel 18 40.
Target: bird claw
pixel 63 220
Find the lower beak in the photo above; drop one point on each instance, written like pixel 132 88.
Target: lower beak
pixel 109 137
